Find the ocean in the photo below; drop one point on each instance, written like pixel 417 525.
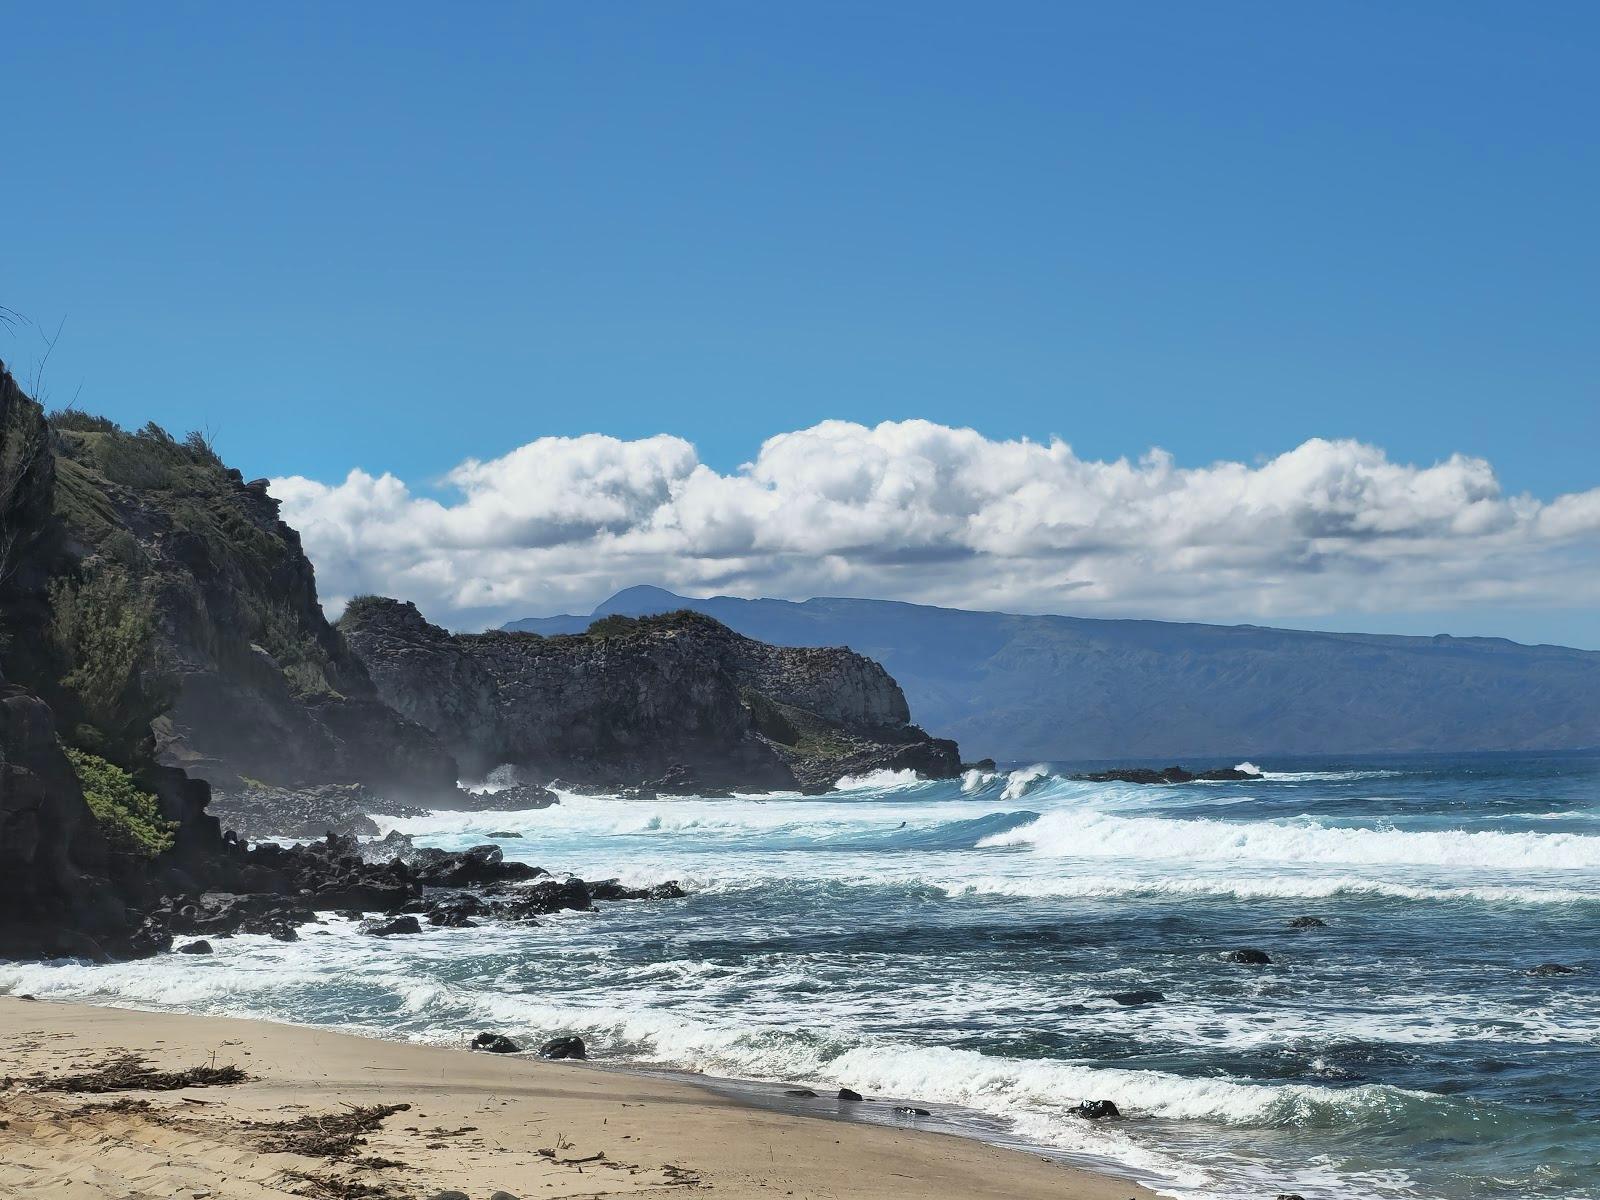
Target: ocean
pixel 958 943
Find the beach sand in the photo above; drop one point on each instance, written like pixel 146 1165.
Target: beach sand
pixel 477 1122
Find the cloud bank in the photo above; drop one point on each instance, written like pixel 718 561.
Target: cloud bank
pixel 917 511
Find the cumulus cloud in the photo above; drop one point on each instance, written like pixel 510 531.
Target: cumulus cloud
pixel 918 511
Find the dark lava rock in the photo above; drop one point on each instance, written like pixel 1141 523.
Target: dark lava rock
pixel 200 947
pixel 1308 923
pixel 801 1093
pixel 391 927
pixel 456 912
pixel 906 1110
pixel 1095 1110
pixel 1166 775
pixel 1248 955
pixel 544 897
pixel 1139 996
pixel 1550 968
pixel 563 1047
pixel 849 1094
pixel 495 1043
pixel 610 889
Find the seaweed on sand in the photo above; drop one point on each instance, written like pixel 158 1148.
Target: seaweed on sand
pixel 133 1073
pixel 323 1135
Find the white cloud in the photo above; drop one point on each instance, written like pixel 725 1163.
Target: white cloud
pixel 918 511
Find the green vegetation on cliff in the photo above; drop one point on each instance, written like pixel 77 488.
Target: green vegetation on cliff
pixel 103 626
pixel 129 819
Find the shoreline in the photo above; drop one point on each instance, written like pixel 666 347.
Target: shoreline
pixel 477 1122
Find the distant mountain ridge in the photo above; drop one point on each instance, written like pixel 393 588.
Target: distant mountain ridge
pixel 1056 687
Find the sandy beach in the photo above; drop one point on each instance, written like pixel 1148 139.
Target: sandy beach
pixel 309 1120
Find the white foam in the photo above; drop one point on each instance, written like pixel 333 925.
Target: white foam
pixel 1083 834
pixel 878 781
pixel 1020 783
pixel 974 779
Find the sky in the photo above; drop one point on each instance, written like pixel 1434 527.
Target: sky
pixel 1239 311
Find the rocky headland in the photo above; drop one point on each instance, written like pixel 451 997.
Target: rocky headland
pixel 677 702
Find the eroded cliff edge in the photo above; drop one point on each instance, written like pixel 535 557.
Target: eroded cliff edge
pixel 677 702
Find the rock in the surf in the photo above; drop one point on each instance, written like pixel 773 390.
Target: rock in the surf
pixel 563 1047
pixel 1248 955
pixel 1096 1110
pixel 392 927
pixel 1136 997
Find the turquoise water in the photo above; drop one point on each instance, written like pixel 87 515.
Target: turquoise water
pixel 955 942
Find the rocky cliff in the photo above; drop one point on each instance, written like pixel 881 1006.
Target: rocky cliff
pixel 677 701
pixel 254 680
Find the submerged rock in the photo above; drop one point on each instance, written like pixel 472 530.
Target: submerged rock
pixel 393 927
pixel 1136 997
pixel 1248 955
pixel 1172 774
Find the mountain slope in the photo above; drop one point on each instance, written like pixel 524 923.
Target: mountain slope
pixel 1052 687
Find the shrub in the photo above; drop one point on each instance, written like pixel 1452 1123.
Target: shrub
pixel 130 819
pixel 75 420
pixel 103 627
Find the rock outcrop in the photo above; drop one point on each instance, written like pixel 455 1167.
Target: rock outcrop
pixel 252 680
pixel 677 702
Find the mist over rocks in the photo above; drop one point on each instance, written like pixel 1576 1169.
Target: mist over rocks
pixel 677 702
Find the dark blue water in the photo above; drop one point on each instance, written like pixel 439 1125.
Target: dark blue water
pixel 957 943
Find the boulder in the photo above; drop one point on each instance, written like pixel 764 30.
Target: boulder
pixel 1248 955
pixel 570 1046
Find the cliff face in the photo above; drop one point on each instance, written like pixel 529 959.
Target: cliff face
pixel 677 701
pixel 259 684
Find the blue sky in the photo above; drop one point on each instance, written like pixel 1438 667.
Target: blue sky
pixel 346 236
